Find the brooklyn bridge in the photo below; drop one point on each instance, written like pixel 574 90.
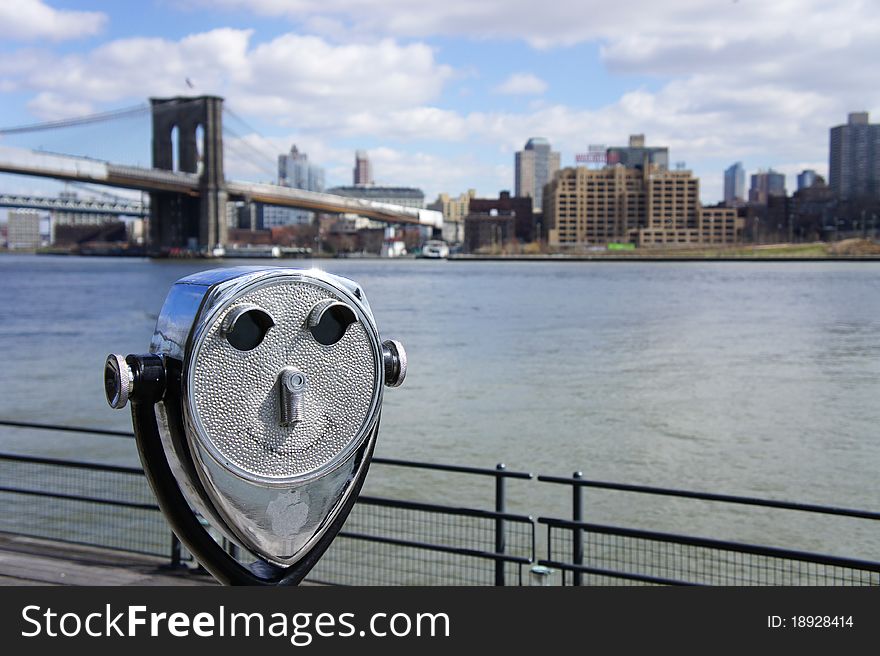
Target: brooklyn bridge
pixel 188 189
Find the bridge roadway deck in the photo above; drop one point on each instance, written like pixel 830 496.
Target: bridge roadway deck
pixel 33 561
pixel 65 167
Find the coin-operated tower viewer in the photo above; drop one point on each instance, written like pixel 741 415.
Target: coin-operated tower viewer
pixel 257 410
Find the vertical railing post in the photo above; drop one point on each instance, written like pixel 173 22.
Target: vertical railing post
pixel 175 551
pixel 577 534
pixel 499 523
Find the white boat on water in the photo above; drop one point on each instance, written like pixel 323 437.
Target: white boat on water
pixel 434 249
pixel 249 252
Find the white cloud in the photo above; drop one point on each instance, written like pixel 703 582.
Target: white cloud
pixel 430 172
pixel 130 68
pixel 704 124
pixel 825 45
pixel 522 84
pixel 407 124
pixel 643 25
pixel 306 70
pixel 299 79
pixel 25 20
pixel 50 106
pixel 744 80
pixel 543 24
pixel 750 80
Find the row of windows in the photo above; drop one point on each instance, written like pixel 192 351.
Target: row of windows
pixel 661 233
pixel 593 202
pixel 632 200
pixel 666 198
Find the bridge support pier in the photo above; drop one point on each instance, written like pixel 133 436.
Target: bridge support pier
pixel 188 137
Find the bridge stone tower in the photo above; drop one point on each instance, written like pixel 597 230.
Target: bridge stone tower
pixel 191 128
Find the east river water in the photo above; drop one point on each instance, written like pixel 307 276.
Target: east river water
pixel 759 379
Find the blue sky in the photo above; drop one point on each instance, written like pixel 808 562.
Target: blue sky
pixel 442 94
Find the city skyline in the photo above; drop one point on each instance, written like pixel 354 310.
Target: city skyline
pixel 442 98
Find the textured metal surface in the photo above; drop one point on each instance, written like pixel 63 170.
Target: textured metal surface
pixel 240 410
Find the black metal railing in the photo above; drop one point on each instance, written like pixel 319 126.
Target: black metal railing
pixel 394 542
pixel 398 541
pixel 87 503
pixel 597 554
pixel 393 536
pixel 403 542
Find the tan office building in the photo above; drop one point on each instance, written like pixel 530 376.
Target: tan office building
pixel 721 225
pixel 653 207
pixel 454 212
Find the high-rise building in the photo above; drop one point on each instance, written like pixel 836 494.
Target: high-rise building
pixel 363 170
pixel 854 162
pixel 637 155
pixel 765 184
pixel 734 185
pixel 534 168
pixel 806 179
pixel 294 170
pixel 647 207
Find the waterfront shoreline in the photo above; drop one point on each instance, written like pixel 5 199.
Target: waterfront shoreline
pixel 849 250
pixel 663 258
pixel 461 257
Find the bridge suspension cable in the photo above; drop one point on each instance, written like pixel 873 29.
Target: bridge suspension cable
pixel 271 151
pixel 249 152
pixel 100 117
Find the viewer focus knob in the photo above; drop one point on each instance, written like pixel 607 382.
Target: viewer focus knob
pixel 118 380
pixel 394 361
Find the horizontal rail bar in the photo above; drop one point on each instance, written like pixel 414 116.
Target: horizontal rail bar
pixel 68 429
pixel 73 464
pixel 440 509
pixel 709 543
pixel 460 469
pixel 459 551
pixel 709 496
pixel 78 497
pixel 377 461
pixel 643 578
